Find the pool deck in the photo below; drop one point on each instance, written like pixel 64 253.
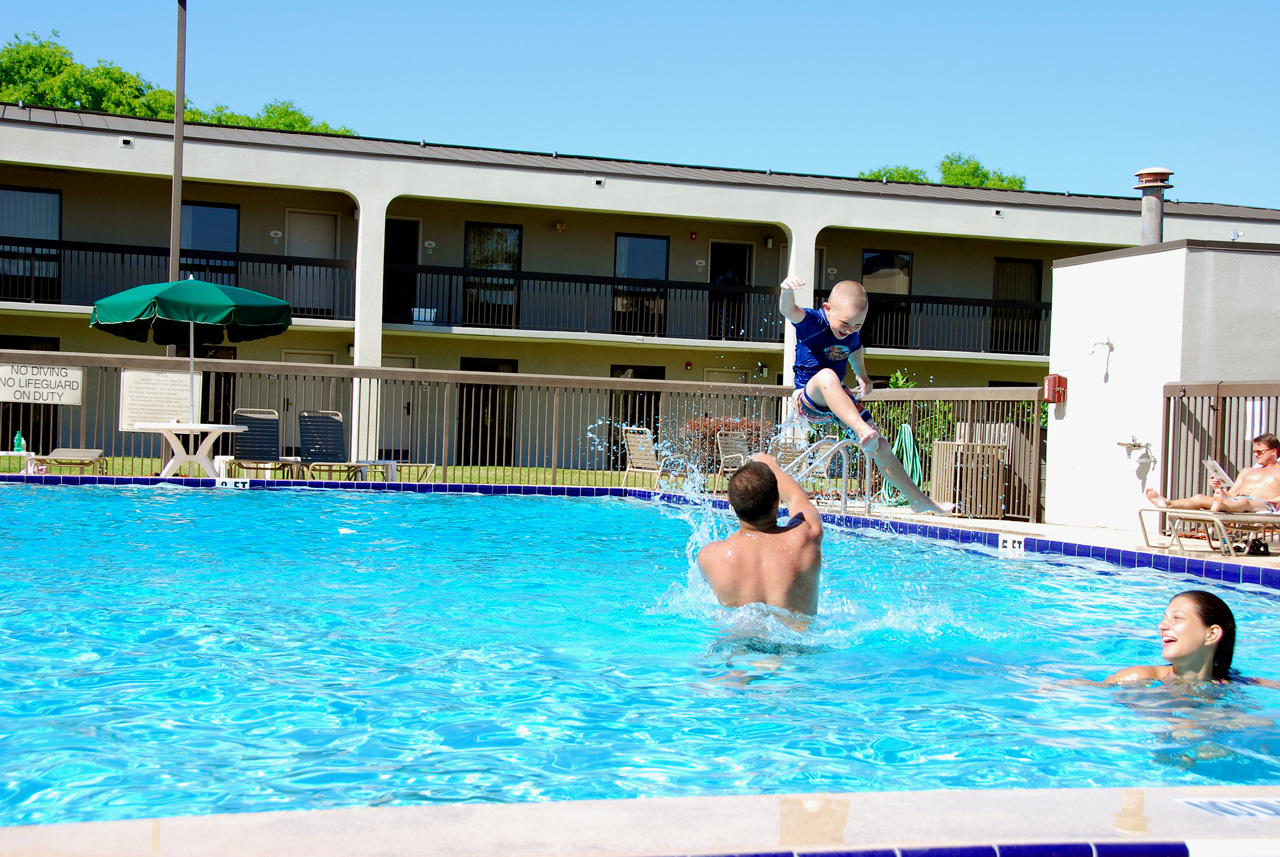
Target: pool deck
pixel 1124 547
pixel 1197 822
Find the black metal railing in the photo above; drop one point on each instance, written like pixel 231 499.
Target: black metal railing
pixel 81 272
pixel 522 300
pixel 929 323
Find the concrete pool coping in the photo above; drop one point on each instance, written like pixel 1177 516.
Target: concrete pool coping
pixel 1085 821
pixel 1220 821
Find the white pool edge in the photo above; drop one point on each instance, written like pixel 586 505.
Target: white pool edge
pixel 662 827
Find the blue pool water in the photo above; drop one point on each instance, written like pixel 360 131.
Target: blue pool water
pixel 171 651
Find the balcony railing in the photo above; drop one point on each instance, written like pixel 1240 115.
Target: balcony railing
pixel 522 300
pixel 929 323
pixel 80 272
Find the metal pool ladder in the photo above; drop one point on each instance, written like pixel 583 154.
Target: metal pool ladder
pixel 816 458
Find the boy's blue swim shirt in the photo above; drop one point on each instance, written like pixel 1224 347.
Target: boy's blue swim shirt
pixel 817 348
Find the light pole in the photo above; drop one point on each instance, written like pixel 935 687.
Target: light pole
pixel 179 106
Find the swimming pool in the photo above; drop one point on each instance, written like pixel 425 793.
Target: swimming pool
pixel 173 651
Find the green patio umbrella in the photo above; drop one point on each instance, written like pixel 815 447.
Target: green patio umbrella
pixel 190 311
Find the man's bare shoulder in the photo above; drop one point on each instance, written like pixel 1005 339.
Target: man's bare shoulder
pixel 807 524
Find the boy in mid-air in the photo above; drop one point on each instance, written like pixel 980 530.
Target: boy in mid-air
pixel 827 342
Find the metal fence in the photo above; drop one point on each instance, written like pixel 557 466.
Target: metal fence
pixel 525 300
pixel 81 272
pixel 500 428
pixel 1217 421
pixel 954 324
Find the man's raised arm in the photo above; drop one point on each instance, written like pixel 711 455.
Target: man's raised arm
pixel 794 497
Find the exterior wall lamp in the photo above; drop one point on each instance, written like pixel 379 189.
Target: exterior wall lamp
pixel 560 226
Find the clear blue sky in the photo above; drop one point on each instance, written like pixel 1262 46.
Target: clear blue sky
pixel 1075 96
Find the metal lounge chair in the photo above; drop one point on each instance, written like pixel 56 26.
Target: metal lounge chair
pixel 642 456
pixel 1227 533
pixel 733 447
pixel 323 447
pixel 257 448
pixel 83 460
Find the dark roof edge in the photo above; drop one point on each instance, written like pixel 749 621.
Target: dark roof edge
pixel 1180 244
pixel 867 185
pixel 562 155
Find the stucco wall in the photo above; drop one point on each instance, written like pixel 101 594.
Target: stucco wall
pixel 1113 396
pixel 1231 317
pixel 942 265
pixel 120 209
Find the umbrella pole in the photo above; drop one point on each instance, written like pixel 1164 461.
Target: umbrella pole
pixel 191 365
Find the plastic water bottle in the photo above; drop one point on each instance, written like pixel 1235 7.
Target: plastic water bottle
pixel 19 445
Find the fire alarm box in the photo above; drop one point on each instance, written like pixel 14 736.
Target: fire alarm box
pixel 1055 388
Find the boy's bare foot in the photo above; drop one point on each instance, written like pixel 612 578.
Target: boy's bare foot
pixel 870 441
pixel 928 506
pixel 1157 499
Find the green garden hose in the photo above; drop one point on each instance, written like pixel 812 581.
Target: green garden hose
pixel 904 446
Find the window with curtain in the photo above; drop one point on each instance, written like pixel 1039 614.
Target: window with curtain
pixel 30 213
pixel 641 257
pixel 886 272
pixel 206 226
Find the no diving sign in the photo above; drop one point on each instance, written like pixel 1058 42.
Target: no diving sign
pixel 41 385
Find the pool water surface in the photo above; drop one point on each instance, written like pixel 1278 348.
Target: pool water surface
pixel 170 651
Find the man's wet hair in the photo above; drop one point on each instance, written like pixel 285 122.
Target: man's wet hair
pixel 1268 440
pixel 753 491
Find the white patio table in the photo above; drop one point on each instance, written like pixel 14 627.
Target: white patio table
pixel 171 431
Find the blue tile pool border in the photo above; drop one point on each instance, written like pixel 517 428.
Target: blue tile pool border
pixel 1224 570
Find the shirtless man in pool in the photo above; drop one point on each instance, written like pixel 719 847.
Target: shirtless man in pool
pixel 763 562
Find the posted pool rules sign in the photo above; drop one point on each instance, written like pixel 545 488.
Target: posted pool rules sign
pixel 41 385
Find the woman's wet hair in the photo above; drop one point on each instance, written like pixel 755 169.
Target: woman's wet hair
pixel 753 491
pixel 1212 610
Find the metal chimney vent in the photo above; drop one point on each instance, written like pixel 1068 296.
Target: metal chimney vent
pixel 1152 182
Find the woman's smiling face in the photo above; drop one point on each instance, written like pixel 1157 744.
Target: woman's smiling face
pixel 1185 637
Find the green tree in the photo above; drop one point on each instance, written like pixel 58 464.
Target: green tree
pixel 43 72
pixel 958 168
pixel 898 173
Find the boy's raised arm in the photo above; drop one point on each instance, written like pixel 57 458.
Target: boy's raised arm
pixel 787 299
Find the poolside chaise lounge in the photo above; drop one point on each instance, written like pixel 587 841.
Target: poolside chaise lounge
pixel 642 455
pixel 72 459
pixel 1228 533
pixel 323 448
pixel 257 448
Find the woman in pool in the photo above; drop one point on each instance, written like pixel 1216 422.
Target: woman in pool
pixel 1198 633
